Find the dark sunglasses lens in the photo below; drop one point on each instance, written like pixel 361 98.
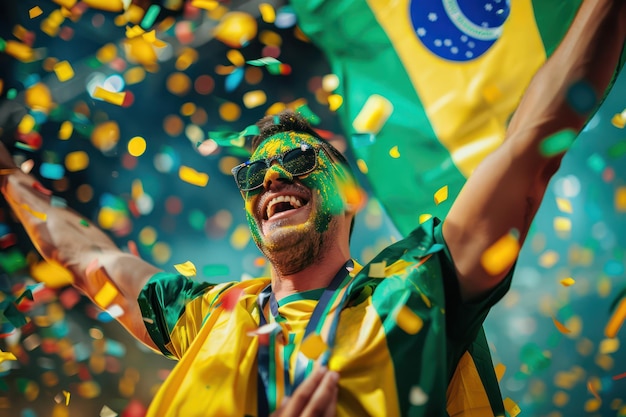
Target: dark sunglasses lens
pixel 299 162
pixel 251 176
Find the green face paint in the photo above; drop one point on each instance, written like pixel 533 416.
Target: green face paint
pixel 325 184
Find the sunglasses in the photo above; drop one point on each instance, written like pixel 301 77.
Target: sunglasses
pixel 298 161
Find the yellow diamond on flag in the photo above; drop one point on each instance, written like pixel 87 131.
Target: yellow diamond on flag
pixel 313 346
pixel 187 269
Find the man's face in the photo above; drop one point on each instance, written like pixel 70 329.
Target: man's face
pixel 291 218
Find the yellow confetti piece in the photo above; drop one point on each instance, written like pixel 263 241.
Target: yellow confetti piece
pixel 109 96
pixel 19 51
pixel 205 4
pixel 377 270
pixel 253 99
pixel 562 224
pixel 7 356
pixel 137 146
pixel 548 259
pixel 35 12
pixel 424 217
pixel 191 176
pixel 608 346
pixel 394 152
pixel 568 282
pixel 66 394
pixel 511 407
pixel 26 124
pixel 564 205
pixel 620 199
pixel 64 71
pixel 362 165
pixel 41 216
pixel 313 346
pixel 560 327
pixel 240 237
pixel 501 255
pixel 136 189
pixel 51 273
pixel 592 405
pixel 236 58
pixel 618 121
pixel 500 369
pixel 187 269
pixel 134 31
pixel 76 161
pixel 105 295
pixel 373 115
pixel 66 130
pixel 334 102
pixel 268 14
pixel 408 321
pixel 616 320
pixel 441 195
pixel 186 57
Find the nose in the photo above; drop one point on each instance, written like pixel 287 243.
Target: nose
pixel 275 174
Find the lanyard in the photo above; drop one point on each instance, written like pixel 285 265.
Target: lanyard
pixel 274 363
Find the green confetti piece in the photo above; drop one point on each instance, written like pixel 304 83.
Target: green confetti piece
pixel 215 270
pixel 12 260
pixel 558 143
pixel 596 163
pixel 263 62
pixel 237 139
pixel 617 150
pixel 150 17
pixel 3 44
pixel 308 114
pixel 11 93
pixel 274 69
pixel 197 219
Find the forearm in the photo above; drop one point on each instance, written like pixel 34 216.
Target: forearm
pixel 588 54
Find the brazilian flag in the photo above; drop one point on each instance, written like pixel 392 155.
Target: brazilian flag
pixel 453 71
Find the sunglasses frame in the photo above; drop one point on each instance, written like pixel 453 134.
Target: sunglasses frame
pixel 268 164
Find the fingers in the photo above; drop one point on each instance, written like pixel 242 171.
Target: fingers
pixel 316 397
pixel 323 403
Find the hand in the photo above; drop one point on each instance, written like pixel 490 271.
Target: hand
pixel 316 397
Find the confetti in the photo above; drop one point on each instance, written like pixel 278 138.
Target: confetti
pixel 620 199
pixel 268 14
pixel 511 407
pixel 441 195
pixel 64 71
pixel 417 396
pixel 334 102
pixel 151 15
pixel 187 269
pixel 618 121
pixel 561 327
pixel 564 205
pixel 501 255
pixel 500 369
pixel 394 152
pixel 253 99
pixel 191 176
pixel 109 96
pixel 377 270
pixel 568 282
pixel 35 12
pixel 7 356
pixel 230 298
pixel 313 346
pixel 107 412
pixel 608 346
pixel 105 296
pixel 205 4
pixel 558 143
pixel 373 115
pixel 617 319
pixel 41 216
pixel 408 321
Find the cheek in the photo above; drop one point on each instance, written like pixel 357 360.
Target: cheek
pixel 329 194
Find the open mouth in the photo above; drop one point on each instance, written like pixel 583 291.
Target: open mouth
pixel 283 204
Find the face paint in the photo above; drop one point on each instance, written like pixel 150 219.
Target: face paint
pixel 325 184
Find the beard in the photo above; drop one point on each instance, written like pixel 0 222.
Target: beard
pixel 291 249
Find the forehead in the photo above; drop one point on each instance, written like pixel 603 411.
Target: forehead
pixel 282 142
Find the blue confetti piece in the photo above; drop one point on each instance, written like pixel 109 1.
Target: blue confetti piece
pixel 234 79
pixel 114 348
pixel 52 171
pixel 81 352
pixel 361 140
pixel 104 317
pixel 4 229
pixel 285 17
pixel 596 163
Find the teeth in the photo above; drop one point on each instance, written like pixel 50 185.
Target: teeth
pixel 294 201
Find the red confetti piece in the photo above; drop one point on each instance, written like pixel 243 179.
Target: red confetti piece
pixel 43 190
pixel 132 247
pixel 619 376
pixel 230 298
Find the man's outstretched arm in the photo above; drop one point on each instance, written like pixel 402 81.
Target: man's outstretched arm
pixel 100 269
pixel 505 191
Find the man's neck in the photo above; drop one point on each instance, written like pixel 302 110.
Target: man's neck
pixel 317 275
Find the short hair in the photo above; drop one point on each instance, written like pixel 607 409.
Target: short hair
pixel 289 121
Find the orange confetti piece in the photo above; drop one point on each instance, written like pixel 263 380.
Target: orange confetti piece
pixel 560 326
pixel 109 96
pixel 620 199
pixel 441 195
pixel 501 255
pixel 567 282
pixel 76 161
pixel 618 121
pixel 105 295
pixel 313 346
pixel 236 58
pixel 593 389
pixel 408 321
pixel 511 407
pixel 616 320
pixel 35 12
pixel 192 176
pixel 500 369
pixel 66 130
pixel 64 71
pixel 187 269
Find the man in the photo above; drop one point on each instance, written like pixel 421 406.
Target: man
pixel 399 332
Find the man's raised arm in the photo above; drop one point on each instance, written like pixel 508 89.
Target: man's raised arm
pixel 101 270
pixel 505 191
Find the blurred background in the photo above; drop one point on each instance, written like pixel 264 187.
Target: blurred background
pixel 141 166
